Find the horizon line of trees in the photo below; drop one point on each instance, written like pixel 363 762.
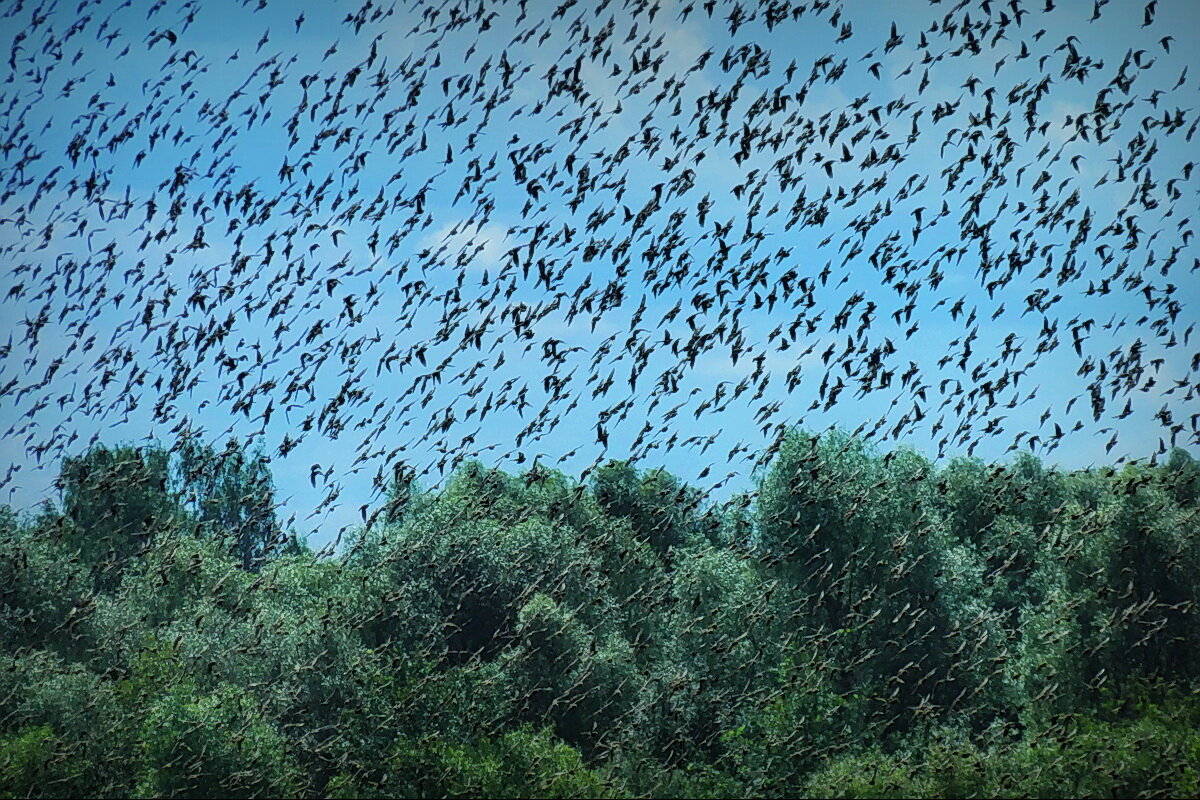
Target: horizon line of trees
pixel 866 624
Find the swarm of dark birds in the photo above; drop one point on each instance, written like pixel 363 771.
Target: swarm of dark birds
pixel 493 221
pixel 384 238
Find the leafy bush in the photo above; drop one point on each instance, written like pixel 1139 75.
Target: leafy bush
pixel 872 626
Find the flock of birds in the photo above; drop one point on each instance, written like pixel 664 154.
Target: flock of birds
pixel 499 220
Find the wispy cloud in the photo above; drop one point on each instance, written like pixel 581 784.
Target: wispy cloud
pixel 469 244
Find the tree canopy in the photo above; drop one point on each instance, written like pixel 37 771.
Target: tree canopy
pixel 873 624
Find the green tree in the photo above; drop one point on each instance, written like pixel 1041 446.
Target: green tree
pixel 115 501
pixel 212 745
pixel 874 572
pixel 660 509
pixel 1180 475
pixel 561 675
pixel 46 588
pixel 523 763
pixel 232 495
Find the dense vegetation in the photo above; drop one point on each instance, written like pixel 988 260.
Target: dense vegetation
pixel 870 625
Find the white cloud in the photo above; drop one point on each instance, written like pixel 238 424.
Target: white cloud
pixel 482 246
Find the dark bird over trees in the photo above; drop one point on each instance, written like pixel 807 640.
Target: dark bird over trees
pixel 597 345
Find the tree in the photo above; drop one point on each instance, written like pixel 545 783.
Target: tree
pixel 400 492
pixel 46 589
pixel 213 745
pixel 873 569
pixel 232 495
pixel 115 501
pixel 560 674
pixel 1181 476
pixel 522 763
pixel 661 510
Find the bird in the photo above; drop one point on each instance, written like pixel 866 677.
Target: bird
pixel 610 218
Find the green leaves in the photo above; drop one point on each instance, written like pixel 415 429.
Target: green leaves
pixel 660 509
pixel 870 625
pixel 115 502
pixel 232 495
pixel 212 745
pixel 34 763
pixel 1150 751
pixel 522 763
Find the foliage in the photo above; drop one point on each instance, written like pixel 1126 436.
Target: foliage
pixel 233 497
pixel 868 625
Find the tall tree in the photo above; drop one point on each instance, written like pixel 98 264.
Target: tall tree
pixel 115 500
pixel 232 494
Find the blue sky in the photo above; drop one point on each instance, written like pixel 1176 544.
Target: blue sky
pixel 237 169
